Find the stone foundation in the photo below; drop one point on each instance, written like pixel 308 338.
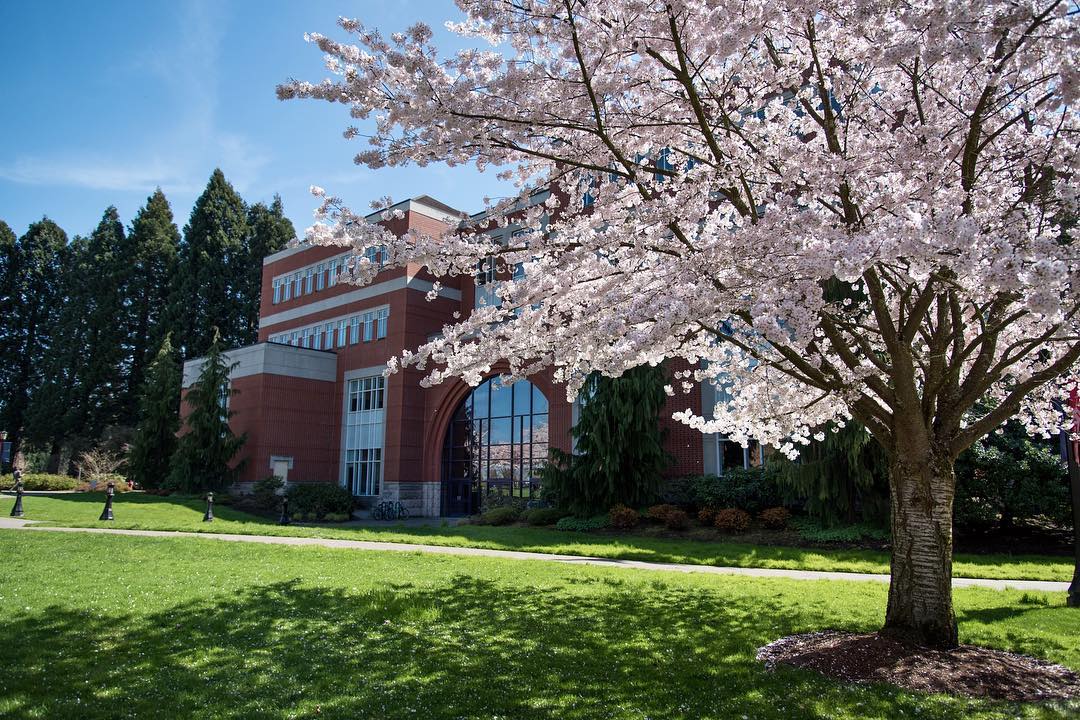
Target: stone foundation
pixel 421 498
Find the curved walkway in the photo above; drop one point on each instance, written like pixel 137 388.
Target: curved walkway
pixel 1043 585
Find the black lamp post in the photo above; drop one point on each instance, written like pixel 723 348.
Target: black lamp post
pixel 107 513
pixel 17 511
pixel 284 520
pixel 209 516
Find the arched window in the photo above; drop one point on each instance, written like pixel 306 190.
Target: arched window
pixel 496 443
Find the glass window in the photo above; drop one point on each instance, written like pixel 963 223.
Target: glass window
pixel 369 321
pixel 496 443
pixel 294 339
pixel 341 333
pixel 354 329
pixel 309 279
pixel 277 292
pixel 382 316
pixel 320 277
pixel 364 407
pixel 286 287
pixel 298 281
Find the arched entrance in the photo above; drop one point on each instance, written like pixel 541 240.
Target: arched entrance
pixel 496 443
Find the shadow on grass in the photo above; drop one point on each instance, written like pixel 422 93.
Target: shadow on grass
pixel 465 647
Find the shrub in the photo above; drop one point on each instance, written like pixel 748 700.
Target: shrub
pixel 706 515
pixel 499 516
pixel 677 519
pixel 337 517
pixel 318 499
pixel 775 518
pixel 494 499
pixel 677 491
pixel 659 512
pixel 577 524
pixel 101 484
pixel 543 516
pixel 41 481
pixel 736 488
pixel 623 517
pixel 264 493
pixel 732 520
pixel 812 530
pixel 674 518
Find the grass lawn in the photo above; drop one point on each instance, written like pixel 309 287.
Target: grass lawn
pixel 107 626
pixel 148 512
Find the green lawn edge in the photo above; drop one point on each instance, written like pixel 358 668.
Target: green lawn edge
pixel 138 511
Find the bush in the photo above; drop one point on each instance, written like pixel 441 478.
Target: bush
pixel 623 517
pixel 101 484
pixel 494 499
pixel 677 491
pixel 337 517
pixel 318 499
pixel 706 515
pixel 41 481
pixel 812 530
pixel 499 516
pixel 674 518
pixel 732 520
pixel 775 518
pixel 264 493
pixel 576 524
pixel 543 516
pixel 736 488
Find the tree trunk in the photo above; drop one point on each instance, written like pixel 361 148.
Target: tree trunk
pixel 921 490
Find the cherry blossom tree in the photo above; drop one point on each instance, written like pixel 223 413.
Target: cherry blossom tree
pixel 835 209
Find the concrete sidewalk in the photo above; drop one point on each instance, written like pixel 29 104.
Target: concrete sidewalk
pixel 1048 586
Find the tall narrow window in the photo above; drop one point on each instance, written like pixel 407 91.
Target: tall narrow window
pixel 320 277
pixel 328 330
pixel 354 326
pixel 286 287
pixel 309 278
pixel 295 339
pixel 381 316
pixel 364 403
pixel 369 321
pixel 341 333
pixel 277 291
pixel 298 284
pixel 335 265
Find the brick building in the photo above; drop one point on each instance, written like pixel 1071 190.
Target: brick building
pixel 313 401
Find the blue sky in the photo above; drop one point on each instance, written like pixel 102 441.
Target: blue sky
pixel 105 101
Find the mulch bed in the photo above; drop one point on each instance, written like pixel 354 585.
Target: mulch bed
pixel 966 670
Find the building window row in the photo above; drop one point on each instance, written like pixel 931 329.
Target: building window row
pixel 363 327
pixel 319 276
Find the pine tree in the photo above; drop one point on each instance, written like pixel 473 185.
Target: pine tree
pixel 204 453
pixel 268 231
pixel 155 242
pixel 210 279
pixel 619 445
pixel 155 436
pixel 843 478
pixel 30 271
pixel 104 396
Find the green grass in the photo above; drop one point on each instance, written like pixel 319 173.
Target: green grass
pixel 147 512
pixel 107 626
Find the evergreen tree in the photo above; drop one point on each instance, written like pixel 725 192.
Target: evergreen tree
pixel 155 242
pixel 155 437
pixel 212 271
pixel 30 274
pixel 268 231
pixel 843 478
pixel 104 398
pixel 204 452
pixel 619 454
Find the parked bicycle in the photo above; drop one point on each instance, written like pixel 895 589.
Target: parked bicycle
pixel 389 510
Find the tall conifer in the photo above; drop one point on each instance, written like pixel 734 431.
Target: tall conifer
pixel 269 231
pixel 211 270
pixel 30 271
pixel 155 436
pixel 204 453
pixel 155 242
